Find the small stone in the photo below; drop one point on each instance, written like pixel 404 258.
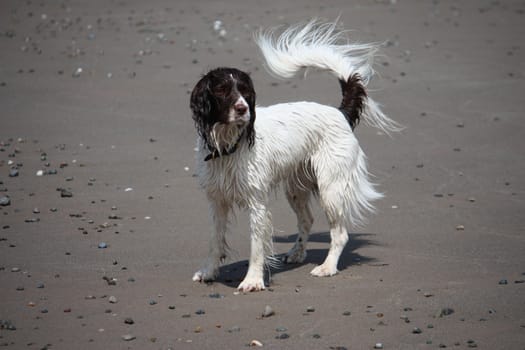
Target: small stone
pixel 268 311
pixel 40 173
pixel 200 312
pixel 77 72
pixel 428 294
pixel 347 313
pixel 234 329
pixel 256 343
pixel 460 228
pixel 310 309
pixel 128 337
pixel 171 307
pixel 503 282
pixel 153 302
pixel 446 311
pixel 102 245
pixel 113 299
pixel 5 201
pixel 417 330
pixel 65 193
pixel 15 269
pixel 282 336
pixel 13 172
pixel 378 346
pixel 129 320
pixel 281 329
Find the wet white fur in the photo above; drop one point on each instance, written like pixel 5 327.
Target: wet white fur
pixel 306 146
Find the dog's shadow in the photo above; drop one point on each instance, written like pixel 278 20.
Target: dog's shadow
pixel 232 274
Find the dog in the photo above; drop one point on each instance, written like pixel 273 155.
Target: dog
pixel 245 151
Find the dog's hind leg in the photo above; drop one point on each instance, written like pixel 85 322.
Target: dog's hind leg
pixel 299 198
pixel 217 245
pixel 332 200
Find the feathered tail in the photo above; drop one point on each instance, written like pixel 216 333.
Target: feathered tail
pixel 322 46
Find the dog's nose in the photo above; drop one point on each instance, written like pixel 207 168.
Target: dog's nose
pixel 240 109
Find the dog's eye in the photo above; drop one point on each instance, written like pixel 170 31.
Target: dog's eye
pixel 220 90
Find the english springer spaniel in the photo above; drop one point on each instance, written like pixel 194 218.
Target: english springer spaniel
pixel 308 147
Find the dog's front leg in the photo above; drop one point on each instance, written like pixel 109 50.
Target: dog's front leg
pixel 218 247
pixel 261 243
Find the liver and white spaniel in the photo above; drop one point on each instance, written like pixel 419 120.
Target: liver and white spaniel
pixel 308 147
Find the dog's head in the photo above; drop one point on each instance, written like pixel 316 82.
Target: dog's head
pixel 223 106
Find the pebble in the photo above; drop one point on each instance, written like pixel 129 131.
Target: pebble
pixel 102 245
pixel 460 228
pixel 378 346
pixel 40 173
pixel 268 311
pixel 256 343
pixel 6 324
pixel 113 299
pixel 417 330
pixel 446 311
pixel 200 312
pixel 5 201
pixel 13 172
pixel 153 302
pixel 128 337
pixel 310 309
pixel 503 281
pixel 282 336
pixel 65 193
pixel 77 72
pixel 129 320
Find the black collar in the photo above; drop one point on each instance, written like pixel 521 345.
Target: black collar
pixel 225 152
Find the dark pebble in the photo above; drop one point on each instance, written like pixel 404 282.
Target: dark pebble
pixel 13 172
pixel 216 296
pixel 153 302
pixel 417 330
pixel 503 282
pixel 65 193
pixel 129 320
pixel 282 336
pixel 446 312
pixel 200 312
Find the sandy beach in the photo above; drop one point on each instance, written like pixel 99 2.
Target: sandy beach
pixel 102 222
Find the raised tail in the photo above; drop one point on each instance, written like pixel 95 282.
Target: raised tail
pixel 322 46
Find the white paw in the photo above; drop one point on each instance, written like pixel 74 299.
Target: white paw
pixel 251 285
pixel 295 256
pixel 204 275
pixel 324 271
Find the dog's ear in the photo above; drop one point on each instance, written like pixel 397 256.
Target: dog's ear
pixel 201 106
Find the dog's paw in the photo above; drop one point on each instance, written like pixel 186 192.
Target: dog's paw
pixel 204 275
pixel 324 271
pixel 251 285
pixel 295 256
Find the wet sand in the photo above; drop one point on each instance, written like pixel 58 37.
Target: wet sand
pixel 95 96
